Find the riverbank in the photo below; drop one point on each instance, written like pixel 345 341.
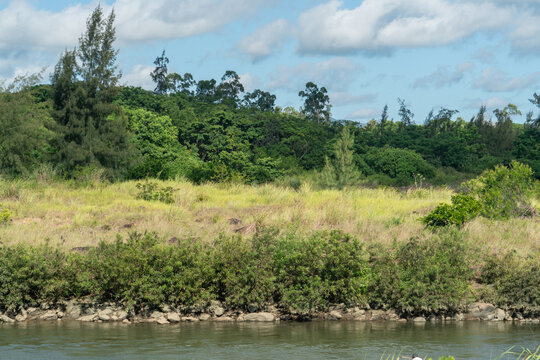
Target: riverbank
pixel 215 311
pixel 301 277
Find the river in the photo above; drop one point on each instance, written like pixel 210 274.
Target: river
pixel 283 341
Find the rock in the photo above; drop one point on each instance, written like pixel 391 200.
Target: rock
pixel 125 321
pixel 378 315
pixel 483 311
pixel 49 315
pixel 536 321
pixel 223 319
pixel 6 319
pixel 162 321
pixel 31 310
pixel 189 319
pixel 359 315
pixel 44 306
pixel 114 318
pixel 166 308
pixel 334 315
pixel 216 309
pixel 157 315
pixel 499 315
pixel 21 317
pixel 262 317
pixel 173 317
pixel 419 319
pixel 459 317
pixel 103 317
pixel 73 310
pixel 391 315
pixel 88 318
pixel 121 315
pixel 204 317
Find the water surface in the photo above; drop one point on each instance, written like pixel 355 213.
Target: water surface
pixel 283 341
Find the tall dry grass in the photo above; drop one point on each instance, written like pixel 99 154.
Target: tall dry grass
pixel 69 215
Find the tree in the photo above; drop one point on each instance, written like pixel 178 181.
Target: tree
pixel 341 171
pixel 182 84
pixel 206 90
pixel 92 132
pixel 405 113
pixel 159 75
pixel 230 88
pixel 316 103
pixel 23 132
pixel 504 134
pixel 260 100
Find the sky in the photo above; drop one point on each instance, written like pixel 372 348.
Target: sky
pixel 459 54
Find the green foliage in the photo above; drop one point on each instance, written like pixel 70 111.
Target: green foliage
pixel 515 281
pixel 30 275
pixel 420 277
pixel 90 129
pixel 23 128
pixel 504 191
pixel 399 164
pixel 5 216
pixel 328 267
pixel 316 103
pixel 464 208
pixel 341 171
pixel 150 191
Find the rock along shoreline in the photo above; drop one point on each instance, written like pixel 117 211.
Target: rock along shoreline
pixel 215 311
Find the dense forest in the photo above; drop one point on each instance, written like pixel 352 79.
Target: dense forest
pixel 84 122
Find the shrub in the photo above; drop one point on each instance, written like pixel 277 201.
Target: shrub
pixel 400 164
pixel 5 216
pixel 152 192
pixel 463 208
pixel 504 191
pixel 328 267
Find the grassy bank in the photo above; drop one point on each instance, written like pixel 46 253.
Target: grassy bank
pixel 68 215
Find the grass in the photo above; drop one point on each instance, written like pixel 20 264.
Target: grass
pixel 68 215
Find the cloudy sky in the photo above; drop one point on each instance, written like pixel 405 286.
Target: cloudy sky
pixel 459 54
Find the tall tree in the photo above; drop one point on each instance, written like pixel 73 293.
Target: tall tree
pixel 260 100
pixel 405 113
pixel 316 103
pixel 92 130
pixel 159 75
pixel 230 88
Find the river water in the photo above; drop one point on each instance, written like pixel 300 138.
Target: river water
pixel 283 341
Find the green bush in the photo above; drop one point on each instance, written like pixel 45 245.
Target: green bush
pixel 152 192
pixel 399 164
pixel 505 191
pixel 463 208
pixel 515 281
pixel 5 216
pixel 421 277
pixel 328 267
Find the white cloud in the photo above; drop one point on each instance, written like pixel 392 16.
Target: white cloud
pixel 490 104
pixel 444 76
pixel 381 25
pixel 139 75
pixel 266 40
pixel 346 98
pixel 364 114
pixel 335 74
pixel 24 27
pixel 495 80
pixel 250 82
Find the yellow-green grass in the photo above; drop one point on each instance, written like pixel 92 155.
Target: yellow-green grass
pixel 72 216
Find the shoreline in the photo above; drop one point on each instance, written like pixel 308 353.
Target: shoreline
pixel 214 311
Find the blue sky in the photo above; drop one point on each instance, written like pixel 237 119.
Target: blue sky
pixel 459 54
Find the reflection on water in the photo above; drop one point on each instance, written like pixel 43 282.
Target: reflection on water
pixel 314 340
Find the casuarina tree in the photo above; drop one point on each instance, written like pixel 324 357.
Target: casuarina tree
pixel 92 132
